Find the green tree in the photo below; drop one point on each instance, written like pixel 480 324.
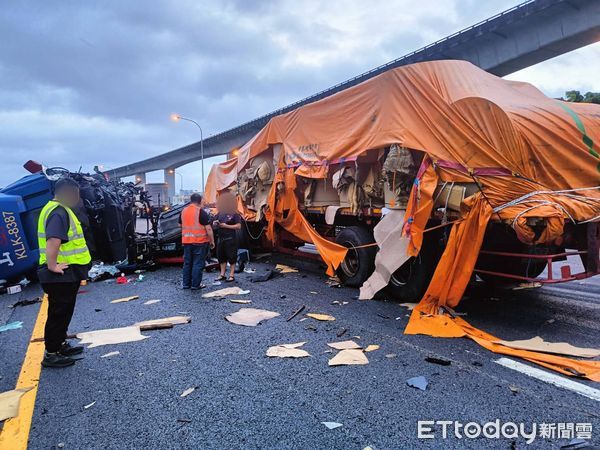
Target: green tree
pixel 577 97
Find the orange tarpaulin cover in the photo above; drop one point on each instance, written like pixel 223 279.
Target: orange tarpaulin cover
pixel 531 155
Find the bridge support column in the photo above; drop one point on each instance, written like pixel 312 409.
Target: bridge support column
pixel 170 180
pixel 140 178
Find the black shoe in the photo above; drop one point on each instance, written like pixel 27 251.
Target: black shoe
pixel 202 286
pixel 56 360
pixel 68 350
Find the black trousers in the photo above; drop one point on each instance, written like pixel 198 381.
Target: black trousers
pixel 61 304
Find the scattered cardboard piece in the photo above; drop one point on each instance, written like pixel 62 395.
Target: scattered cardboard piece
pixel 250 317
pixel 243 302
pixel 372 348
pixel 151 302
pixel 187 392
pixel 537 344
pixel 324 317
pixel 343 345
pixel 287 351
pixel 125 299
pixel 111 336
pixel 332 425
pixel 174 320
pixel 234 290
pixel 349 357
pixel 10 401
pixel 109 354
pixel 285 269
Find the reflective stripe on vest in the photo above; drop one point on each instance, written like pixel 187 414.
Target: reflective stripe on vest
pixel 75 250
pixel 192 232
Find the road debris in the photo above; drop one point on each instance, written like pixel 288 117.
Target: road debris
pixel 282 268
pixel 174 320
pixel 125 299
pixel 295 313
pixel 184 420
pixel 122 279
pixel 11 326
pixel 409 306
pixel 515 390
pixel 111 336
pixel 26 302
pixel 265 276
pixel 322 317
pixel 109 354
pixel 391 355
pixel 440 361
pixel 88 406
pixel 102 271
pixel 537 344
pixel 372 348
pixel 344 345
pixel 151 302
pixel 332 425
pixel 188 391
pixel 234 290
pixel 349 357
pixel 250 317
pixel 243 302
pixel 10 401
pixel 342 332
pixel 419 382
pixel 287 351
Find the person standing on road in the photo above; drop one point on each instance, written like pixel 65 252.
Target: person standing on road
pixel 196 237
pixel 64 262
pixel 227 222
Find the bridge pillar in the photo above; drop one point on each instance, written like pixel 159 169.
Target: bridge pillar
pixel 170 180
pixel 140 178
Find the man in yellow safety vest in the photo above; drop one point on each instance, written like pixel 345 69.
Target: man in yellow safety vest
pixel 64 262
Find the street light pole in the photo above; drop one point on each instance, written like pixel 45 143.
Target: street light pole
pixel 178 117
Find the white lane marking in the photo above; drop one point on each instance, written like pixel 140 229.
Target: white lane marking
pixel 548 377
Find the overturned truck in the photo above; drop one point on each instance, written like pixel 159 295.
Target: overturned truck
pixel 417 179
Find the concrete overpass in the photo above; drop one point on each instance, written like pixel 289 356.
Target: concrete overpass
pixel 527 34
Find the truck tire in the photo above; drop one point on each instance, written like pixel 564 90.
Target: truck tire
pixel 410 281
pixel 359 262
pixel 504 239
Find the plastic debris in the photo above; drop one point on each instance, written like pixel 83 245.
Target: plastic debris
pixel 287 351
pixel 125 299
pixel 344 345
pixel 88 406
pixel 14 289
pixel 349 357
pixel 151 302
pixel 372 348
pixel 188 391
pixel 249 270
pixel 9 402
pixel 109 354
pixel 11 326
pixel 391 355
pixel 243 302
pixel 250 317
pixel 417 382
pixel 140 278
pixel 100 271
pixel 323 317
pixel 332 425
pixel 234 290
pixel 282 268
pixel 440 361
pixel 26 302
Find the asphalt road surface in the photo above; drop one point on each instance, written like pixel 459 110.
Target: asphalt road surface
pixel 245 400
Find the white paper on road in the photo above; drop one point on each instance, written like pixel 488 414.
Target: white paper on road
pixel 391 255
pixel 250 317
pixel 111 336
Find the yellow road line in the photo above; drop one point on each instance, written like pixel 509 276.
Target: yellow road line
pixel 15 434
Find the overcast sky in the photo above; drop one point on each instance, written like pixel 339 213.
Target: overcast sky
pixel 86 83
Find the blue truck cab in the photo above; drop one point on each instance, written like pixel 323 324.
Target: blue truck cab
pixel 20 206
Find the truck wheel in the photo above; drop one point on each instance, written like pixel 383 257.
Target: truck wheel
pixel 504 239
pixel 410 281
pixel 359 262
